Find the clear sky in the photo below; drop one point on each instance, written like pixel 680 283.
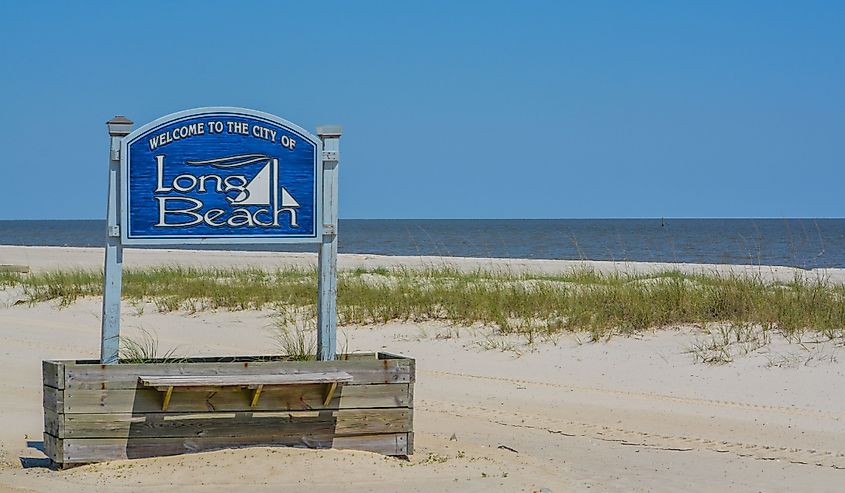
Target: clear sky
pixel 452 109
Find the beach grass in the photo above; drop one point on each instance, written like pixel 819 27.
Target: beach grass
pixel 529 304
pixel 145 348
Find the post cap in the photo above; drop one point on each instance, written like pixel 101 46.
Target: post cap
pixel 329 130
pixel 119 126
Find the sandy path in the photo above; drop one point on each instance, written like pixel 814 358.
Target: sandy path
pixel 633 414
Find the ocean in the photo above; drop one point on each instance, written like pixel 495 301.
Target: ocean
pixel 804 243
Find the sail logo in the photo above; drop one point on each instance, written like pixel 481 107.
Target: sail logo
pixel 232 176
pixel 248 184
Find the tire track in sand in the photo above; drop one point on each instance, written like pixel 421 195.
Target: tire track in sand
pixel 629 437
pixel 786 410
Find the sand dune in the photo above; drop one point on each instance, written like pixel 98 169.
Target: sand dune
pixel 631 414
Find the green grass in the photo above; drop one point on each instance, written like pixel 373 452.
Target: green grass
pixel 294 332
pixel 145 349
pixel 581 300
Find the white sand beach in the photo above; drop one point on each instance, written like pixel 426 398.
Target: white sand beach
pixel 44 258
pixel 629 414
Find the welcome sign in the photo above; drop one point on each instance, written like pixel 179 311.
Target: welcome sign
pixel 224 176
pixel 220 175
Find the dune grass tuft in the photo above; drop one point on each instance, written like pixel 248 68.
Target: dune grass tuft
pixel 145 349
pixel 582 300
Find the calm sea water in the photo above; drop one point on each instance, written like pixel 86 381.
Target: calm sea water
pixel 805 243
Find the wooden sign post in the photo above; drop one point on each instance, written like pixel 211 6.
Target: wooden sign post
pixel 119 127
pixel 327 263
pixel 221 176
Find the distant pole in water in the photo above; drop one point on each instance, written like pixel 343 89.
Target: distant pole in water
pixel 662 222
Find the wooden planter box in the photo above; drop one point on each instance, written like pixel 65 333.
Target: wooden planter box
pixel 95 412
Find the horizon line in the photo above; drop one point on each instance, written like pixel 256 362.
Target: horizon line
pixel 637 218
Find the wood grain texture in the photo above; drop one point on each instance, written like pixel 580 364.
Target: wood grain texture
pixel 53 399
pixel 370 356
pixel 125 376
pixel 410 444
pixel 54 449
pixel 411 361
pixel 53 373
pixel 161 382
pixel 245 425
pixel 85 450
pixel 96 412
pixel 296 398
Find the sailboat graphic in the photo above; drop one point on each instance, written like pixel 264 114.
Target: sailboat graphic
pixel 257 191
pixel 263 189
pixel 288 200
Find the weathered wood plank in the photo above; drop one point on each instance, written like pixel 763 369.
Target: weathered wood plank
pixel 53 448
pixel 387 444
pixel 296 398
pixel 83 450
pixel 125 376
pixel 245 425
pixel 53 373
pixel 386 355
pixel 247 381
pixel 54 423
pixel 358 356
pixel 410 444
pixel 53 399
pixel 411 361
pixel 237 359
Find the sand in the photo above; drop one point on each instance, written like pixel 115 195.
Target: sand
pixel 49 258
pixel 630 414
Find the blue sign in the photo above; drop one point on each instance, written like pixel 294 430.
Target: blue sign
pixel 220 175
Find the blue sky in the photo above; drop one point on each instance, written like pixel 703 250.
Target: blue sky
pixel 452 109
